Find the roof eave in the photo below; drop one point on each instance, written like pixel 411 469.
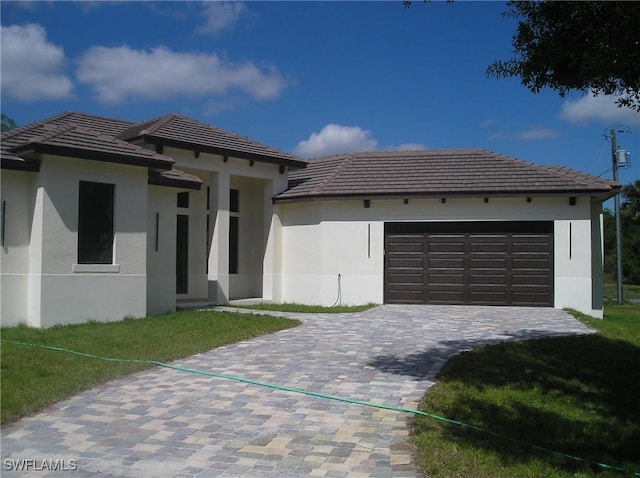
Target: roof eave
pixel 151 139
pixel 34 150
pixel 20 164
pixel 599 194
pixel 158 180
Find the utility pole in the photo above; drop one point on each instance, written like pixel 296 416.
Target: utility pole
pixel 616 199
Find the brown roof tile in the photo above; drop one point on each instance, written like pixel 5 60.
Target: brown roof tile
pixel 170 130
pixel 435 173
pixel 86 137
pixel 77 141
pixel 180 131
pixel 175 178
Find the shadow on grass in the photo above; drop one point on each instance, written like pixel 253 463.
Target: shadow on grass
pixel 577 395
pixel 427 364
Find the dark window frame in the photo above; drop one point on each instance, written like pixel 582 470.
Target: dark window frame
pixel 182 200
pixel 234 231
pixel 96 214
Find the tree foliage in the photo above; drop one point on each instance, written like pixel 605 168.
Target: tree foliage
pixel 631 201
pixel 586 45
pixel 7 123
pixel 630 229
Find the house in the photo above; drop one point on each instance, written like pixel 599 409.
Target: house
pixel 105 218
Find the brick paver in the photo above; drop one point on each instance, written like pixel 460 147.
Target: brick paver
pixel 168 423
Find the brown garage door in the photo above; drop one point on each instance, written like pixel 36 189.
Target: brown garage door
pixel 482 263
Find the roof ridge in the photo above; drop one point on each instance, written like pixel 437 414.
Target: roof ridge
pixel 230 133
pixel 35 124
pixel 345 162
pixel 566 173
pixel 157 123
pixel 50 131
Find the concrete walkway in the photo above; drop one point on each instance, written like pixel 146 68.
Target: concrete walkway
pixel 167 423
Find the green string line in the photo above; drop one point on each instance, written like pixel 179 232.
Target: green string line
pixel 329 397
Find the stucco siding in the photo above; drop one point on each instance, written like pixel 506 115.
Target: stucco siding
pixel 257 183
pixel 324 239
pixel 59 289
pixel 161 250
pixel 17 192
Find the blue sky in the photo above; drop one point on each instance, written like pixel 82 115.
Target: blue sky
pixel 310 78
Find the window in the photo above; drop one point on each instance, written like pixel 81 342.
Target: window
pixel 234 244
pixel 234 200
pixel 183 200
pixel 95 223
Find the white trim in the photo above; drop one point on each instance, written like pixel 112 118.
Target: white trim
pixel 97 268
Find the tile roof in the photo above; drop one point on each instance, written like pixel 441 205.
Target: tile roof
pixel 94 137
pixel 77 141
pixel 171 130
pixel 440 173
pixel 175 178
pixel 76 135
pixel 180 131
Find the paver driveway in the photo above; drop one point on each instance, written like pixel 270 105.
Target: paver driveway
pixel 164 422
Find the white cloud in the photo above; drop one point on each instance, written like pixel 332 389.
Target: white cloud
pixel 600 108
pixel 334 139
pixel 488 122
pixel 536 133
pixel 122 72
pixel 32 67
pixel 407 147
pixel 532 134
pixel 220 16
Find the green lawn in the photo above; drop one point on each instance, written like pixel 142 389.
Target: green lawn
pixel 33 378
pixel 307 309
pixel 574 395
pixel 629 291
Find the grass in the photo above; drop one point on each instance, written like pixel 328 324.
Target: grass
pixel 628 291
pixel 574 395
pixel 34 378
pixel 307 309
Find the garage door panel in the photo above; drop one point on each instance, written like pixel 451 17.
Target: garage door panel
pixel 488 247
pixel 525 264
pixel 530 299
pixel 487 263
pixel 488 298
pixel 444 296
pixel 446 247
pixel 445 279
pixel 402 298
pixel 406 279
pixel 407 247
pixel 531 248
pixel 487 279
pixel 446 263
pixel 529 280
pixel 401 263
pixel 471 263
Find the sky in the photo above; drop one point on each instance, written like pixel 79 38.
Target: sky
pixel 310 78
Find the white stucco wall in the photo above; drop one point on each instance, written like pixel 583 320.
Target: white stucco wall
pixel 161 250
pixel 323 239
pixel 257 182
pixel 60 291
pixel 17 191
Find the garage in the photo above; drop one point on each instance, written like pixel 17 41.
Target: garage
pixel 475 263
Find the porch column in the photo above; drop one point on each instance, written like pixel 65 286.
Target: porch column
pixel 272 261
pixel 34 310
pixel 218 276
pixel 270 253
pixel 597 259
